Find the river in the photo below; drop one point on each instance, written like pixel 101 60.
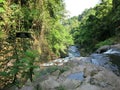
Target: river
pixel 109 59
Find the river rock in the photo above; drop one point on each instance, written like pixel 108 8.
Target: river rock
pixel 89 87
pixel 27 88
pixel 107 47
pixel 49 84
pixel 56 73
pixel 103 49
pixel 71 84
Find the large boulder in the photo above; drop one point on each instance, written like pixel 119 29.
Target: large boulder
pixel 107 47
pixel 103 49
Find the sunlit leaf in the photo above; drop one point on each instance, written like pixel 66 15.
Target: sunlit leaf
pixel 2 10
pixel 1 1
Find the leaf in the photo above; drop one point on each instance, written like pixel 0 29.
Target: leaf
pixel 2 34
pixel 31 66
pixel 3 73
pixel 31 54
pixel 1 1
pixel 14 71
pixel 2 10
pixel 25 60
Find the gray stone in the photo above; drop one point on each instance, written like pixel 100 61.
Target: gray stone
pixel 49 84
pixel 71 84
pixel 56 73
pixel 103 49
pixel 89 87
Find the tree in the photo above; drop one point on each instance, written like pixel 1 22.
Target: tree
pixel 95 25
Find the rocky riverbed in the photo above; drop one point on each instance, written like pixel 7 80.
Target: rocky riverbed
pixel 99 71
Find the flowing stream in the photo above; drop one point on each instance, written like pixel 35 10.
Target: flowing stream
pixel 109 59
pixel 72 52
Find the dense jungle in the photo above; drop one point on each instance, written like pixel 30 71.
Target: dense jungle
pixel 33 32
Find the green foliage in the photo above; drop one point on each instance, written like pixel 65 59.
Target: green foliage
pixel 55 8
pixel 106 42
pixel 2 10
pixel 1 1
pixel 24 67
pixel 3 73
pixel 97 25
pixel 2 34
pixel 59 38
pixel 31 54
pixel 1 6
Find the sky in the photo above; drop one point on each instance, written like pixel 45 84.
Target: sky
pixel 76 7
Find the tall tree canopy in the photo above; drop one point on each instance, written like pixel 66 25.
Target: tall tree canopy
pixel 97 25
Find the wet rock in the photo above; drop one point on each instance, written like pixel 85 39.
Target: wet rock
pixel 107 47
pixel 103 49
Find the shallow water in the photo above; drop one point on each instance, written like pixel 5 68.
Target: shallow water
pixel 100 59
pixel 73 51
pixel 109 59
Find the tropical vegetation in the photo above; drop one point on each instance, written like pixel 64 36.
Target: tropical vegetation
pixel 36 31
